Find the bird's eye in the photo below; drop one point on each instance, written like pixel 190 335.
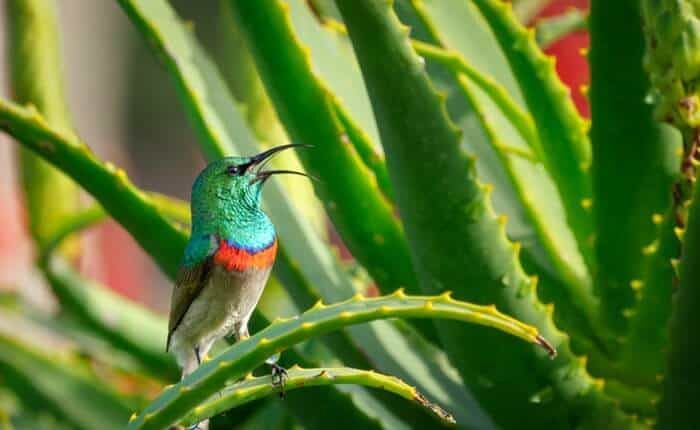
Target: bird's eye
pixel 234 170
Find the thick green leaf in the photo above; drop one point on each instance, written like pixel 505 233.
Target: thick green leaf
pixel 643 356
pixel 632 182
pixel 682 380
pixel 510 132
pixel 562 131
pixel 465 247
pixel 522 190
pixel 334 63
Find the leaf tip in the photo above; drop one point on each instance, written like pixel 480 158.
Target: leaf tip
pixel 544 343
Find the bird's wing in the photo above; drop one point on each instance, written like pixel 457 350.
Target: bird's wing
pixel 193 276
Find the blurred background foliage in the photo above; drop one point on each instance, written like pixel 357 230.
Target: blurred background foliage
pixel 82 315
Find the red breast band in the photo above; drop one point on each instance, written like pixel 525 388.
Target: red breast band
pixel 240 259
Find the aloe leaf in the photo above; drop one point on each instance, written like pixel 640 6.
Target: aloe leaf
pixel 331 56
pixel 334 63
pixel 37 79
pixel 520 119
pixel 682 377
pixel 576 287
pixel 131 207
pixel 461 30
pixel 482 264
pixel 562 131
pixel 305 106
pixel 253 388
pixel 506 127
pixel 245 355
pixel 45 376
pixel 551 29
pixel 644 352
pixel 627 194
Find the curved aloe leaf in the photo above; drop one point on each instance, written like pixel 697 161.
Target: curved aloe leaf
pixel 37 79
pixel 682 378
pixel 522 189
pixel 520 119
pixel 131 207
pixel 498 115
pixel 242 357
pixel 465 247
pixel 46 376
pixel 629 193
pixel 252 388
pixel 643 354
pixel 576 287
pixel 350 195
pixel 562 131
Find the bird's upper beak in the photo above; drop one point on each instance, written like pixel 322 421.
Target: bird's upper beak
pixel 259 160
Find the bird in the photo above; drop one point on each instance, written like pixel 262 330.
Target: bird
pixel 227 260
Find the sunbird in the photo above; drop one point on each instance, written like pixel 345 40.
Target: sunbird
pixel 227 260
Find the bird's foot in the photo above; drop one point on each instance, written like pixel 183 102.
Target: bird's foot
pixel 279 375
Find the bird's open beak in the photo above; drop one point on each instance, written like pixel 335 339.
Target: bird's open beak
pixel 260 159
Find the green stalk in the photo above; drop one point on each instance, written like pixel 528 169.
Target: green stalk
pixel 131 207
pixel 465 247
pixel 252 388
pixel 37 80
pixel 678 409
pixel 245 355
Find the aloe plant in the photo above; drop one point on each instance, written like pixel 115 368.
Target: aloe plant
pixel 458 173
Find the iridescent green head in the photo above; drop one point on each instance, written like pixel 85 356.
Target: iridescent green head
pixel 226 199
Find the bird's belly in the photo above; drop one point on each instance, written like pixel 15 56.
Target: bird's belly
pixel 225 302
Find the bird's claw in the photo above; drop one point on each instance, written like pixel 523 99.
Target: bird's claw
pixel 279 375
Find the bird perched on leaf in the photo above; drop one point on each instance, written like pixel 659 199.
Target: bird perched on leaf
pixel 227 260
